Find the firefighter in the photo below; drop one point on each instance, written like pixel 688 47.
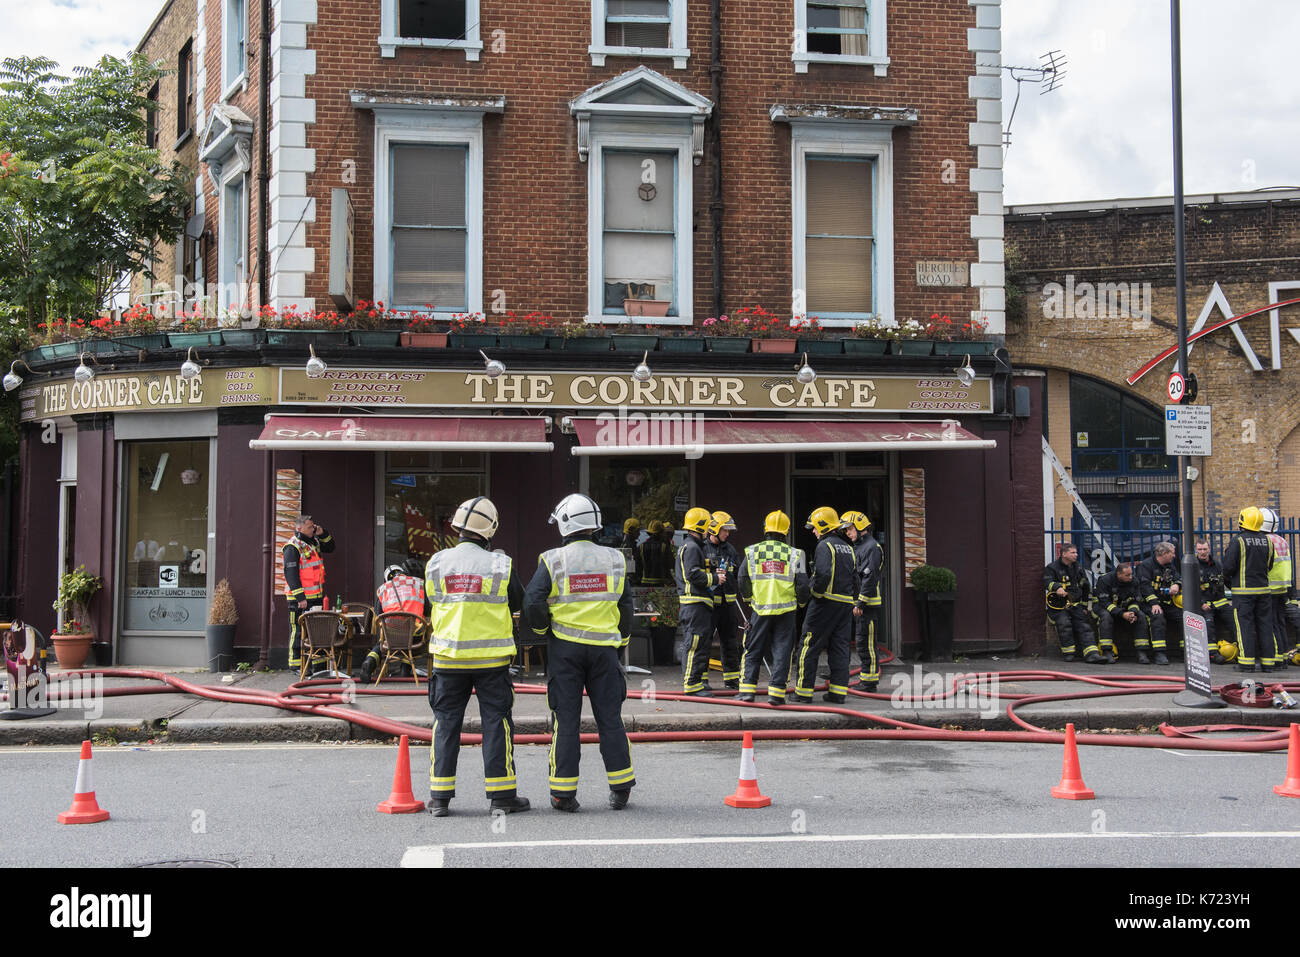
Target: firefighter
pixel 774 581
pixel 304 576
pixel 870 559
pixel 1067 593
pixel 655 566
pixel 1246 564
pixel 1157 577
pixel 724 556
pixel 631 532
pixel 399 592
pixel 580 595
pixel 472 595
pixel 1281 587
pixel 1215 607
pixel 695 584
pixel 829 622
pixel 1118 604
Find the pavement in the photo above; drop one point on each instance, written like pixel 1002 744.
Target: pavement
pixel 174 717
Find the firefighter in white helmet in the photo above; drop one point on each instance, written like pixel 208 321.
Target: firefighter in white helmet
pixel 580 595
pixel 472 593
pixel 1281 588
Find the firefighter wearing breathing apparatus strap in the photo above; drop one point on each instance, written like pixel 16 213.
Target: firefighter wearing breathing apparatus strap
pixel 472 593
pixel 870 558
pixel 1246 564
pixel 580 595
pixel 829 622
pixel 724 557
pixel 774 581
pixel 695 583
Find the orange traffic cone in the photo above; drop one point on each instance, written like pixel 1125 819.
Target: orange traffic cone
pixel 1072 787
pixel 1291 788
pixel 85 809
pixel 747 792
pixel 401 800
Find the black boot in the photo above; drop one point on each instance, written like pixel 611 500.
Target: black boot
pixel 368 668
pixel 618 799
pixel 1143 658
pixel 1068 658
pixel 569 804
pixel 1093 658
pixel 510 805
pixel 1162 658
pixel 833 698
pixel 867 686
pixel 745 697
pixel 734 684
pixel 440 807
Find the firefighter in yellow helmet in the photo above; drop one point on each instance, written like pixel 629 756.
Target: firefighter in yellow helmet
pixel 1246 564
pixel 829 622
pixel 472 593
pixel 870 559
pixel 774 581
pixel 723 556
pixel 1281 582
pixel 632 532
pixel 695 584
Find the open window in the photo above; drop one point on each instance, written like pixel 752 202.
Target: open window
pixel 840 31
pixel 439 24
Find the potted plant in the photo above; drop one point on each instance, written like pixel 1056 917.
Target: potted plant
pixel 813 339
pixel 634 338
pixel 870 337
pixel 220 633
pixel 76 589
pixel 303 329
pixel 768 332
pixel 467 330
pixel 646 308
pixel 954 338
pixel 726 334
pixel 191 331
pixel 580 336
pixel 681 339
pixel 909 338
pixel 371 325
pixel 422 331
pixel 663 623
pixel 525 332
pixel 936 598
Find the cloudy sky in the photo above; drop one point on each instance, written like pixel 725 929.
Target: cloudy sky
pixel 1104 134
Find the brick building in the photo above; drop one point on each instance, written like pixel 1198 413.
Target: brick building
pixel 1100 304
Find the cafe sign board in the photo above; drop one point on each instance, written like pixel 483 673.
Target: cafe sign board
pixel 148 392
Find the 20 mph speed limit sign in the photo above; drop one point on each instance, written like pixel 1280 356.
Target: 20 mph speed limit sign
pixel 1176 387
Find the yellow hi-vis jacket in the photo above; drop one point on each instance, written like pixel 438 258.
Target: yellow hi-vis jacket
pixel 1279 576
pixel 771 567
pixel 469 609
pixel 587 582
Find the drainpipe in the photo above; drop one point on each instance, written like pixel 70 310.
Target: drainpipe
pixel 715 148
pixel 264 161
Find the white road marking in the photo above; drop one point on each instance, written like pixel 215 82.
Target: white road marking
pixel 430 856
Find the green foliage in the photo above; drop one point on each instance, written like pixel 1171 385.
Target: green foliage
pixel 76 589
pixel 664 601
pixel 933 578
pixel 83 201
pixel 1015 284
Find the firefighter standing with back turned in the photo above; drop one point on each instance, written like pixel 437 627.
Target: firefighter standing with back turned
pixel 829 622
pixel 304 576
pixel 870 558
pixel 695 584
pixel 774 581
pixel 472 593
pixel 580 595
pixel 1246 564
pixel 727 559
pixel 1220 626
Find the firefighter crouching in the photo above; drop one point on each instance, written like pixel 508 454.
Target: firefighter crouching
pixel 580 595
pixel 1246 564
pixel 829 622
pixel 304 576
pixel 1158 579
pixel 1220 626
pixel 1066 588
pixel 399 592
pixel 1117 603
pixel 774 581
pixel 1280 586
pixel 725 558
pixel 870 558
pixel 695 584
pixel 472 594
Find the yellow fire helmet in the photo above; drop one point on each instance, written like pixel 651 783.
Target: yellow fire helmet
pixel 719 521
pixel 857 519
pixel 630 525
pixel 1178 600
pixel 697 520
pixel 1252 519
pixel 778 522
pixel 1228 650
pixel 824 520
pixel 655 527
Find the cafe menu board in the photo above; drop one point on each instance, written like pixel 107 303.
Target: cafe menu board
pixel 288 505
pixel 913 520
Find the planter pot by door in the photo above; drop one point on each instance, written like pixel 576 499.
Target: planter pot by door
pixel 71 650
pixel 940 617
pixel 221 647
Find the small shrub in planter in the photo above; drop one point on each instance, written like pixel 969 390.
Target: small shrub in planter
pixel 936 597
pixel 223 616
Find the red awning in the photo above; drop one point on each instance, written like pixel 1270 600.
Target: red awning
pixel 694 435
pixel 398 433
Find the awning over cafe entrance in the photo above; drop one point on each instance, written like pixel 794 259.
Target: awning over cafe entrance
pixel 416 433
pixel 694 435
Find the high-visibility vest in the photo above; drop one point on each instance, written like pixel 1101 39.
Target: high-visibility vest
pixel 586 585
pixel 402 593
pixel 1279 576
pixel 772 565
pixel 470 611
pixel 311 570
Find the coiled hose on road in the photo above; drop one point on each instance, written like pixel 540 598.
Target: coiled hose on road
pixel 330 698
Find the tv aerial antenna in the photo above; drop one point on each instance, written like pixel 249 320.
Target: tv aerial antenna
pixel 1048 74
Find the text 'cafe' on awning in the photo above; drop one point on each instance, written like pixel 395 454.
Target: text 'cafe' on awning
pixel 163 486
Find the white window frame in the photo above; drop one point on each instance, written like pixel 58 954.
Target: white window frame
pixel 684 292
pixel 390 40
pixel 676 49
pixel 877 45
pixel 234 81
pixel 429 127
pixel 859 142
pixel 234 176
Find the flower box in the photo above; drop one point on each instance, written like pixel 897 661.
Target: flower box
pixel 193 340
pixel 243 337
pixel 820 347
pixel 728 343
pixel 523 340
pixel 912 347
pixel 681 344
pixel 374 338
pixel 302 338
pixel 785 346
pixel 584 343
pixel 471 340
pixel 423 340
pixel 657 308
pixel 633 343
pixel 96 347
pixel 865 347
pixel 965 347
pixel 157 341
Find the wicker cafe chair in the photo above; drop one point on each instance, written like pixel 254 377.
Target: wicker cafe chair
pixel 367 624
pixel 400 635
pixel 324 637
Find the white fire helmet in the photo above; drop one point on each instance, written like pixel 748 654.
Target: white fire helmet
pixel 1270 520
pixel 477 516
pixel 576 513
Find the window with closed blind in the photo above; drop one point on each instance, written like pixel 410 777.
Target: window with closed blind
pixel 640 241
pixel 839 245
pixel 430 233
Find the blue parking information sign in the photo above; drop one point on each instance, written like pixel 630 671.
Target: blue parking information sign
pixel 1187 430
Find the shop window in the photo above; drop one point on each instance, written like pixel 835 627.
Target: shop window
pixel 653 490
pixel 840 31
pixel 421 493
pixel 640 236
pixel 864 460
pixel 165 488
pixel 444 24
pixel 1113 433
pixel 429 235
pixel 837 463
